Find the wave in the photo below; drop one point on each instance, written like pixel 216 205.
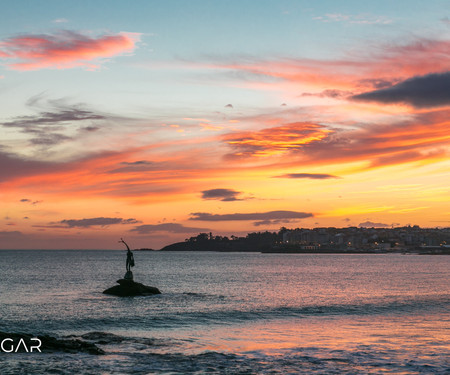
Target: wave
pixel 107 338
pixel 226 312
pixel 119 358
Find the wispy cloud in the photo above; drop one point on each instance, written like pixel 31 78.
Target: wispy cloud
pixel 26 200
pixel 315 176
pixel 8 234
pixel 97 221
pixel 268 222
pixel 361 19
pixel 53 118
pixel 136 167
pixel 58 121
pixel 224 195
pixel 329 93
pixel 60 20
pixel 13 166
pixel 46 128
pixel 271 215
pixel 64 50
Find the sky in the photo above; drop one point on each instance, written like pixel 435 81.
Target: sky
pixel 154 121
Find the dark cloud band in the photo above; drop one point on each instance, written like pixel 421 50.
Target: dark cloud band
pixel 271 215
pixel 225 195
pixel 431 90
pixel 97 221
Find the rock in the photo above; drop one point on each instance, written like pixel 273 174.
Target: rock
pixel 127 288
pixel 49 344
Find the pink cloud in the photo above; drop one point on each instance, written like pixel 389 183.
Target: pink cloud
pixel 64 50
pixel 372 67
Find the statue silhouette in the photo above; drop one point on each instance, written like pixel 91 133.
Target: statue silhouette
pixel 130 257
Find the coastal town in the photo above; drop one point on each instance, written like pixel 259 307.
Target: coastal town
pixel 406 239
pixel 398 239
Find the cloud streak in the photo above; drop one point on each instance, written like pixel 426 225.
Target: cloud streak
pixel 370 224
pixel 64 50
pixel 26 200
pixel 314 176
pixel 12 166
pixel 61 122
pixel 7 234
pixel 53 118
pixel 224 195
pixel 360 19
pixel 136 167
pixel 271 215
pixel 96 221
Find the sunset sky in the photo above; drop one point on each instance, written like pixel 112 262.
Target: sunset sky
pixel 157 120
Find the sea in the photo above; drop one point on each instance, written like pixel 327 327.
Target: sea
pixel 230 313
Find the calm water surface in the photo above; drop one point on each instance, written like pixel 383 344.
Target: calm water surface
pixel 231 313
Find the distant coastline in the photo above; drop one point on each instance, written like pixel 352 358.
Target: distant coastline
pixel 331 240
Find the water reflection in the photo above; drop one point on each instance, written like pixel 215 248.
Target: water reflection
pixel 258 313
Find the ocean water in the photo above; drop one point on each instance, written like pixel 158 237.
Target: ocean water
pixel 231 313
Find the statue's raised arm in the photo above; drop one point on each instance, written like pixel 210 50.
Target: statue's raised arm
pixel 121 240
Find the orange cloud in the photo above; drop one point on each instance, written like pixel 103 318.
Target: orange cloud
pixel 275 140
pixel 111 174
pixel 425 137
pixel 64 50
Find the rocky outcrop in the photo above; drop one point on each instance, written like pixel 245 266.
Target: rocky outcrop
pixel 23 342
pixel 129 288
